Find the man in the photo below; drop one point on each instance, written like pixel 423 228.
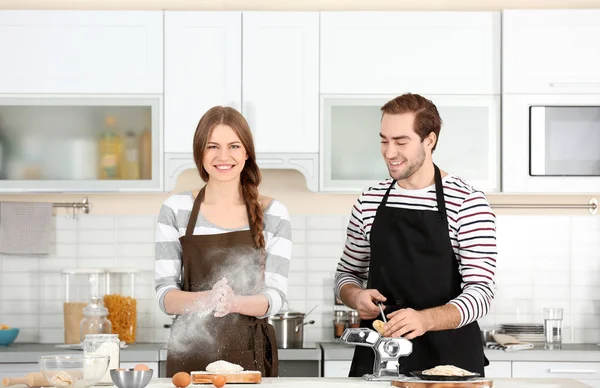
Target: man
pixel 424 242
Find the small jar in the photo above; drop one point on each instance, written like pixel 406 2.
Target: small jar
pixel 104 345
pixel 353 319
pixel 95 320
pixel 339 323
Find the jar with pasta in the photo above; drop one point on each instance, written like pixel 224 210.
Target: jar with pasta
pixel 121 302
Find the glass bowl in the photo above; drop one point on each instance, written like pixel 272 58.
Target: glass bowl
pixel 73 371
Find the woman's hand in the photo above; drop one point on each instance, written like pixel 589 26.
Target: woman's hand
pixel 225 300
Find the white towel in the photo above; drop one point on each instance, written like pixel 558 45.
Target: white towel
pixel 25 228
pixel 508 343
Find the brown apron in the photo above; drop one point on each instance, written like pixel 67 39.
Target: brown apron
pixel 196 341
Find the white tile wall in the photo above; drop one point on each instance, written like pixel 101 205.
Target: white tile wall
pixel 544 261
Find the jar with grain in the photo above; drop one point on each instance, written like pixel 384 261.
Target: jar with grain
pixel 340 323
pixel 120 300
pixel 81 286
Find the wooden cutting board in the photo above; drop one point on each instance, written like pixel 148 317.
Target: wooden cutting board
pixel 244 377
pixel 416 383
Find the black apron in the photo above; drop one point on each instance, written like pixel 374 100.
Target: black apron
pixel 413 265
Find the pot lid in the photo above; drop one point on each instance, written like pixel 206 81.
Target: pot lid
pixel 288 315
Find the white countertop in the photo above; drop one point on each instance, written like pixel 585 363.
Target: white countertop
pixel 346 382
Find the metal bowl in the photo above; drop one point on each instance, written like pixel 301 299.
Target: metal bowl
pixel 129 378
pixel 487 335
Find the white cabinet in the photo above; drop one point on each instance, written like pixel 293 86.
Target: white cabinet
pixel 498 369
pixel 336 368
pixel 203 68
pixel 469 143
pixel 586 372
pixel 281 80
pixel 418 52
pixel 17 370
pixel 551 51
pixel 81 52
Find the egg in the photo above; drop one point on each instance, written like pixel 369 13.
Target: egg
pixel 141 367
pixel 181 379
pixel 218 381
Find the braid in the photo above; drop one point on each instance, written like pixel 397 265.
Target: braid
pixel 256 213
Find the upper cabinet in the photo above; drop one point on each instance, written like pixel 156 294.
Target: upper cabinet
pixel 280 92
pixel 88 52
pixel 418 52
pixel 551 51
pixel 203 68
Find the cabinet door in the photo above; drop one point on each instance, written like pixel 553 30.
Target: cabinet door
pixel 81 52
pixel 17 370
pixel 419 52
pixel 281 80
pixel 582 371
pixel 468 145
pixel 336 368
pixel 498 369
pixel 551 51
pixel 203 68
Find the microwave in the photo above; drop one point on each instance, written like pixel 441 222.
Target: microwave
pixel 551 143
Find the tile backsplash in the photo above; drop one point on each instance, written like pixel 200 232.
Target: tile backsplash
pixel 543 261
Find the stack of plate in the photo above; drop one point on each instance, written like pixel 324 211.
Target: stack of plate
pixel 526 332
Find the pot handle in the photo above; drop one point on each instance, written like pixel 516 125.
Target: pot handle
pixel 302 324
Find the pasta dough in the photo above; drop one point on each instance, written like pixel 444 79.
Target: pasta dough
pixel 447 370
pixel 223 367
pixel 378 325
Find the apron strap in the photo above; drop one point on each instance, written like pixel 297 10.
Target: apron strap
pixel 194 215
pixel 439 193
pixel 387 193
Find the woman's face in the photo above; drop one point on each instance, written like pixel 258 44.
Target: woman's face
pixel 225 155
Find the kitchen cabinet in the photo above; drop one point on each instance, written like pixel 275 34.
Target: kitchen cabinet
pixel 87 52
pixel 471 129
pixel 551 51
pixel 586 372
pixel 265 64
pixel 17 370
pixel 419 52
pixel 336 368
pixel 498 369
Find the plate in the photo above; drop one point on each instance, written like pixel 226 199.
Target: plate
pixel 420 375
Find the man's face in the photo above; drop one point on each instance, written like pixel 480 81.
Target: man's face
pixel 402 149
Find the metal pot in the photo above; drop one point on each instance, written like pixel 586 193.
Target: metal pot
pixel 289 329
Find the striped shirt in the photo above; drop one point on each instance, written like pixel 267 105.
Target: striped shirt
pixel 471 227
pixel 172 223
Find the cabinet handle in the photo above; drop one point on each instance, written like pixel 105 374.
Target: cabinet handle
pixel 574 84
pixel 583 371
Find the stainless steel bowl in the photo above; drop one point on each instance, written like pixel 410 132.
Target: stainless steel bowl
pixel 486 335
pixel 130 378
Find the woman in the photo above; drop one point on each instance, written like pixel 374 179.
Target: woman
pixel 223 255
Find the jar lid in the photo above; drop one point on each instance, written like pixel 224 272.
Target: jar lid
pixel 339 313
pixel 353 313
pixel 95 309
pixel 102 337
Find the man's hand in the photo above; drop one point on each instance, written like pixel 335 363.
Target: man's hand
pixel 364 302
pixel 406 323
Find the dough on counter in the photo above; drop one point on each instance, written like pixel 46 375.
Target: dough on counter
pixel 447 370
pixel 223 367
pixel 378 325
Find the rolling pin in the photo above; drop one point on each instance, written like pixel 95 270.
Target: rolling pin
pixel 34 379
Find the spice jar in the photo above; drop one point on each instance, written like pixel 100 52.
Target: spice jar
pixel 339 323
pixel 94 321
pixel 121 303
pixel 81 286
pixel 353 319
pixel 104 345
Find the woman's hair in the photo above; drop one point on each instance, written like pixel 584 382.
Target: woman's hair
pixel 250 177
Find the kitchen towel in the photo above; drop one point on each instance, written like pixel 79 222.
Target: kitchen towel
pixel 25 228
pixel 508 343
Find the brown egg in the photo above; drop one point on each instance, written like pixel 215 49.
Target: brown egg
pixel 181 379
pixel 218 381
pixel 141 367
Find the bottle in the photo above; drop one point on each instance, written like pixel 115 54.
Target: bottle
pixel 131 160
pixel 109 149
pixel 95 320
pixel 340 323
pixel 146 154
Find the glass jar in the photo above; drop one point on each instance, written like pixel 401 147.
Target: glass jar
pixel 339 323
pixel 353 319
pixel 121 303
pixel 95 320
pixel 81 285
pixel 104 345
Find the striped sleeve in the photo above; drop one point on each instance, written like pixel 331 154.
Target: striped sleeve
pixel 167 267
pixel 278 240
pixel 353 266
pixel 476 238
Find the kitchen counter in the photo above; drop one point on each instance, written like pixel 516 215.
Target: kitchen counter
pixel 334 351
pixel 29 353
pixel 302 382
